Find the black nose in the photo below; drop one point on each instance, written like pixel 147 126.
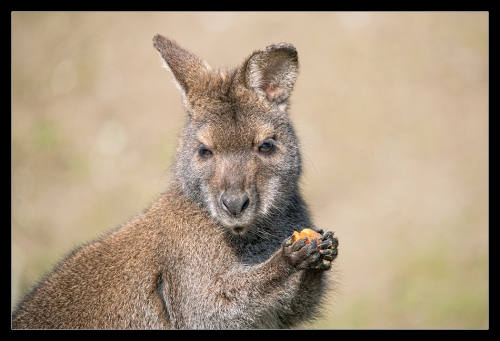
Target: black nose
pixel 234 204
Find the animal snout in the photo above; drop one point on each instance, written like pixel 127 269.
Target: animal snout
pixel 234 203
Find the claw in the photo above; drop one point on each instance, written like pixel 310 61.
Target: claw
pixel 326 244
pixel 326 235
pixel 288 241
pixel 328 254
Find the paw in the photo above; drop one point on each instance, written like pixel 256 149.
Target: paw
pixel 328 248
pixel 299 254
pixel 316 254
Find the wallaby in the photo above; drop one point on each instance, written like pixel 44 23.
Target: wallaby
pixel 215 250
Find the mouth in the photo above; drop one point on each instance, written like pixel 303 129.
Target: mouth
pixel 239 230
pixel 237 224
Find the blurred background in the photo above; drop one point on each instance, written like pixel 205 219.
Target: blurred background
pixel 392 113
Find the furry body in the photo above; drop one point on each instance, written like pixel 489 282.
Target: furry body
pixel 214 250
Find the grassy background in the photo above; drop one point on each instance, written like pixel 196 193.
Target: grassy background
pixel 391 109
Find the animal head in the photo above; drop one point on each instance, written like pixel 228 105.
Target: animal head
pixel 238 154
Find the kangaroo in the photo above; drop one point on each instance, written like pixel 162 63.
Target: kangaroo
pixel 216 249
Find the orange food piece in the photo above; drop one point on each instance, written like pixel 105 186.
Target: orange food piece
pixel 305 233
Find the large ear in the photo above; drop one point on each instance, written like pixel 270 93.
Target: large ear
pixel 188 69
pixel 272 73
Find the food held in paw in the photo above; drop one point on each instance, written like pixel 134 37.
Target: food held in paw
pixel 306 233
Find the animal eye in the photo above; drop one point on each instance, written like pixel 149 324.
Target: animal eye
pixel 204 152
pixel 267 146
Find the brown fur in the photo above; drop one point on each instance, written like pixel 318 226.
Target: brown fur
pixel 214 250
